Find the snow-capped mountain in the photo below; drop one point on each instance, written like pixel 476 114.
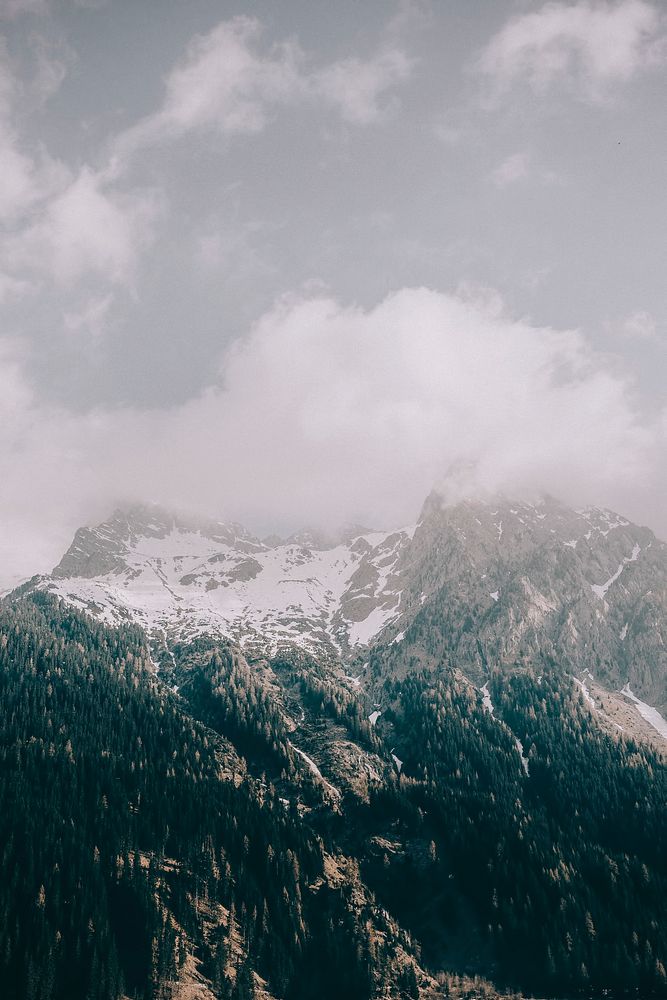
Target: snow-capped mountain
pixel 181 578
pixel 494 676
pixel 480 585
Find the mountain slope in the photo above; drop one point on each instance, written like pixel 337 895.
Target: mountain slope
pixel 140 857
pixel 479 585
pixel 504 584
pixel 257 835
pixel 182 578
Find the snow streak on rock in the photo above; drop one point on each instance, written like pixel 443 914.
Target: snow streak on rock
pixel 652 715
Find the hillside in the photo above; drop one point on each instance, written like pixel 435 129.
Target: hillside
pixel 275 830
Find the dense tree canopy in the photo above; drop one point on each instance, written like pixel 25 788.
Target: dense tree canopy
pixel 147 836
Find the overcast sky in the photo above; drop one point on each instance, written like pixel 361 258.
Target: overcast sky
pixel 297 262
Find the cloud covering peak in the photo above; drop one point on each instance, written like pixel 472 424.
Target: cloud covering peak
pixel 327 413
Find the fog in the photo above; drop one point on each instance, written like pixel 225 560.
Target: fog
pixel 300 266
pixel 326 414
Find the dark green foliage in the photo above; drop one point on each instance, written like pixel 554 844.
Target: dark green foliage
pixel 122 847
pixel 557 878
pixel 140 831
pixel 224 692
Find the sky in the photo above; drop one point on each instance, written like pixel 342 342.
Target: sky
pixel 299 263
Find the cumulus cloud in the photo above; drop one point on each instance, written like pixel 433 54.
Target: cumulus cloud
pixel 60 225
pixel 91 318
pixel 25 178
pixel 88 228
pixel 521 167
pixel 224 82
pixel 515 168
pixel 356 87
pixel 329 413
pixel 587 45
pixel 640 325
pixel 228 81
pixel 65 226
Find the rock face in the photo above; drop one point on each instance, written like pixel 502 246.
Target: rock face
pixel 480 585
pixel 502 584
pixel 183 578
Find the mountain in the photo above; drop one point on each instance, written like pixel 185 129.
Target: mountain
pixel 182 578
pixel 478 584
pixel 382 765
pixel 257 835
pixel 490 585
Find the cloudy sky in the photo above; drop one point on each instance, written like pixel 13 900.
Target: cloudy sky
pixel 295 263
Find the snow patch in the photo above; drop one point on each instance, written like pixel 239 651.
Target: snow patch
pixel 524 759
pixel 652 715
pixel 487 703
pixel 584 690
pixel 601 589
pixel 315 769
pixel 188 583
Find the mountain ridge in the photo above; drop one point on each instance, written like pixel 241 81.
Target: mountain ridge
pixel 480 583
pixel 476 788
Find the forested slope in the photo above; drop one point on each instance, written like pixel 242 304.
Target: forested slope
pixel 125 846
pixel 256 834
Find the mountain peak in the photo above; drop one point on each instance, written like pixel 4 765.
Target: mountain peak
pixel 100 550
pixel 486 582
pixel 179 574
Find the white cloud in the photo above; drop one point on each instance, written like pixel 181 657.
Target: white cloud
pixel 640 326
pixel 587 45
pixel 514 168
pixel 232 252
pixel 91 318
pixel 520 166
pixel 357 87
pixel 18 188
pixel 229 82
pixel 25 179
pixel 11 287
pixel 60 226
pixel 52 61
pixel 224 82
pixel 67 226
pixel 88 228
pixel 331 413
pixel 353 406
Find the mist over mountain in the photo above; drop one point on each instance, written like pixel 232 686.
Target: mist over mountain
pixel 333 468
pixel 422 389
pixel 483 583
pixel 407 764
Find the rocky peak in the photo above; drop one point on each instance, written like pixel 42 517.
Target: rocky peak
pixel 103 549
pixel 484 583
